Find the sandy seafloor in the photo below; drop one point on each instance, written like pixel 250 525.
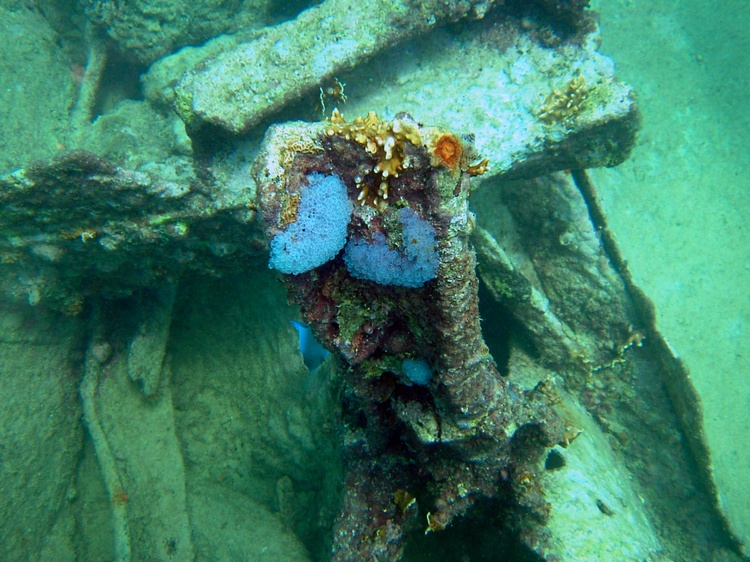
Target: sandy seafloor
pixel 680 206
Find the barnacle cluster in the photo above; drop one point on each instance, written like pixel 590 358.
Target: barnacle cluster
pixel 385 141
pixel 479 169
pixel 333 92
pixel 297 145
pixel 562 105
pixel 404 500
pixel 289 209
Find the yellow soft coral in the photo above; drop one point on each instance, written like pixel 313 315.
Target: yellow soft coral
pixel 385 141
pixel 566 104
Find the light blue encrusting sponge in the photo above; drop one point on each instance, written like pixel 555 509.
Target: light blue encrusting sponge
pixel 320 229
pixel 416 371
pixel 413 266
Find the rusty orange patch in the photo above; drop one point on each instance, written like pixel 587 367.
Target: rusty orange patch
pixel 449 150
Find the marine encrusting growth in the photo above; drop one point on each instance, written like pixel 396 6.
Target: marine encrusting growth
pixel 431 427
pixel 317 217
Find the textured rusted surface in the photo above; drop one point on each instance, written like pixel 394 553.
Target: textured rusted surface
pixel 466 435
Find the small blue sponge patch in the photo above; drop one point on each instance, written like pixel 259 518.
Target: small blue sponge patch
pixel 413 266
pixel 416 371
pixel 319 232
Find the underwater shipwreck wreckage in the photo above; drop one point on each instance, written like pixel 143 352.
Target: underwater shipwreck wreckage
pixel 562 419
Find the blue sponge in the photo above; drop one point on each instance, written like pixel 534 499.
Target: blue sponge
pixel 412 267
pixel 320 229
pixel 416 371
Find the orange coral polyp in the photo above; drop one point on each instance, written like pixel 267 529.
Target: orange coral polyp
pixel 448 149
